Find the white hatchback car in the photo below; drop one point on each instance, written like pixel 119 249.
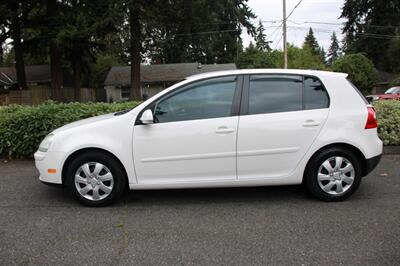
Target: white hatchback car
pixel 232 128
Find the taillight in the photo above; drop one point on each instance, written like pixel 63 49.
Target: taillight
pixel 371 121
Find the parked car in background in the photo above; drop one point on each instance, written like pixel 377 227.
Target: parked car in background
pixel 391 94
pixel 222 129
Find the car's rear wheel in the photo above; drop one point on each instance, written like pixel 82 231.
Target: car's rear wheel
pixel 96 179
pixel 333 174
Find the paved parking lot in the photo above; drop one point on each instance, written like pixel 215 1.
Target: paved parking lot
pixel 237 226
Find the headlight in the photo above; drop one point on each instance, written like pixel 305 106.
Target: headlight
pixel 45 145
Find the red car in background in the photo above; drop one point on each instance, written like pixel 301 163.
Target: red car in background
pixel 391 94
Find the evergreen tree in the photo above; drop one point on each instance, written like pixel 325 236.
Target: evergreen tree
pixel 368 28
pixel 260 38
pixel 322 55
pixel 311 42
pixel 71 34
pixel 394 51
pixel 14 17
pixel 206 31
pixel 334 49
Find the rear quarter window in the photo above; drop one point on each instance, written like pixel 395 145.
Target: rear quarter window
pixel 315 94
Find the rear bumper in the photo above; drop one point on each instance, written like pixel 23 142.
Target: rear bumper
pixel 371 163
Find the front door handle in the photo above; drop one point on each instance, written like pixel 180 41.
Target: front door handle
pixel 311 123
pixel 224 130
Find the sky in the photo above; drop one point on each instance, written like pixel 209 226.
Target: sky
pixel 321 11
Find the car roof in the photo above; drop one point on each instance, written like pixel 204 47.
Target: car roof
pixel 316 73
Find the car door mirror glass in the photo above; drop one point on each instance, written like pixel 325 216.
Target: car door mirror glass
pixel 147 117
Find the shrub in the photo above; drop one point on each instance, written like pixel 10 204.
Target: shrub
pixel 388 114
pixel 361 70
pixel 22 128
pixel 395 82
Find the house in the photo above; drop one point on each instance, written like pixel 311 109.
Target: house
pixel 35 75
pixel 383 83
pixel 38 79
pixel 153 78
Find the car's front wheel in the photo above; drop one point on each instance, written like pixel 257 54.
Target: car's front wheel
pixel 333 174
pixel 96 179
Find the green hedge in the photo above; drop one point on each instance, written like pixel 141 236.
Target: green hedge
pixel 388 114
pixel 22 128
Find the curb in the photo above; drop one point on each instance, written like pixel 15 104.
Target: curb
pixel 391 149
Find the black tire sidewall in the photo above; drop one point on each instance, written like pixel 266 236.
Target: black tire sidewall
pixel 111 163
pixel 311 179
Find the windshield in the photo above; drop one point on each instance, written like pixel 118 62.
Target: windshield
pixel 393 90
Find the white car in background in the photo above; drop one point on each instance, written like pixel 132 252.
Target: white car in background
pixel 222 129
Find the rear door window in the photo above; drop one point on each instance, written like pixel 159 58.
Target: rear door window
pixel 275 93
pixel 285 93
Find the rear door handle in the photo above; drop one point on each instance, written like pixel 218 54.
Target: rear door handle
pixel 311 123
pixel 224 130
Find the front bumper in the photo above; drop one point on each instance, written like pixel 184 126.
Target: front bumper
pixel 49 160
pixel 371 163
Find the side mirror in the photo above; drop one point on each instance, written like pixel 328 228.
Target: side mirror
pixel 147 117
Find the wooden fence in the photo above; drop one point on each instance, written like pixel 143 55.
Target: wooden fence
pixel 20 97
pixel 40 93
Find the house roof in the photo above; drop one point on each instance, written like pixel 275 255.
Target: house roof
pixel 34 74
pixel 385 77
pixel 120 75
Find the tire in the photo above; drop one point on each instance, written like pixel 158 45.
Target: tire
pixel 337 183
pixel 102 179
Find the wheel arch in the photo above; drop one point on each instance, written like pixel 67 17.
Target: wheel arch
pixel 77 153
pixel 345 146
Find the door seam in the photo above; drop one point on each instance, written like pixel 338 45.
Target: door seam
pixel 236 149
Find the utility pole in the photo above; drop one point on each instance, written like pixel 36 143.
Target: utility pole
pixel 285 59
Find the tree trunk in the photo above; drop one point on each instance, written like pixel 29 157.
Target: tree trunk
pixel 135 50
pixel 55 58
pixel 1 52
pixel 56 73
pixel 18 50
pixel 76 65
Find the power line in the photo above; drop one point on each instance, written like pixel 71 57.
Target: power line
pixel 379 36
pixel 277 36
pixel 341 24
pixel 365 34
pixel 294 9
pixel 275 31
pixel 206 32
pixel 271 21
pixel 277 43
pixel 361 34
pixel 324 23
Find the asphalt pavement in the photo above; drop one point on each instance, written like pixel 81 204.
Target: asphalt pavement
pixel 42 225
